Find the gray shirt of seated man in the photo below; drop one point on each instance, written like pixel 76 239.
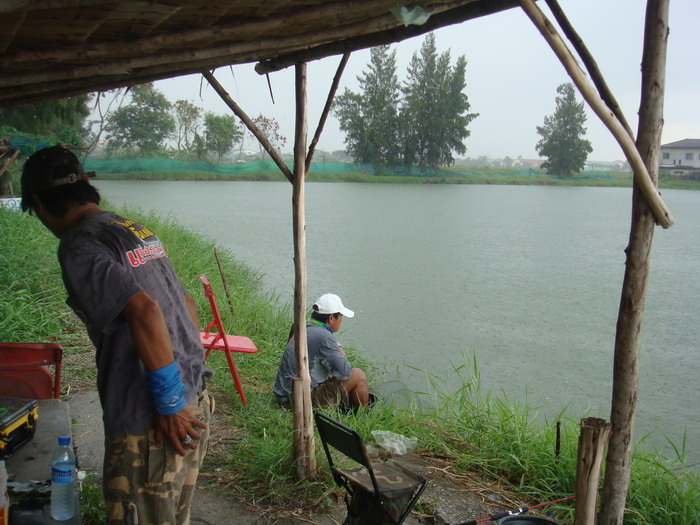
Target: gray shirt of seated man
pixel 325 361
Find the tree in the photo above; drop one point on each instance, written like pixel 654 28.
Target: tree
pixel 370 118
pixel 221 132
pixel 271 129
pixel 98 125
pixel 199 149
pixel 187 120
pixel 434 111
pixel 143 125
pixel 60 119
pixel 562 135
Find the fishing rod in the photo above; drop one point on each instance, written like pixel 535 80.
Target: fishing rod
pixel 521 510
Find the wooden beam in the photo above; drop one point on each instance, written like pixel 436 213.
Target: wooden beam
pixel 13 6
pixel 589 62
pixel 326 109
pixel 351 43
pixel 106 51
pixel 39 83
pixel 634 287
pixel 174 61
pixel 249 124
pixel 641 174
pixel 304 447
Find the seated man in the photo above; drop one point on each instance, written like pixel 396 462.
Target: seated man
pixel 333 380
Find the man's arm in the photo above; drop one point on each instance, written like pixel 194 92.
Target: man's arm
pixel 148 331
pixel 334 359
pixel 152 343
pixel 192 307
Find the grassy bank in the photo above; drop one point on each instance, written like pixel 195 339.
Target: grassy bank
pixel 251 452
pixel 474 176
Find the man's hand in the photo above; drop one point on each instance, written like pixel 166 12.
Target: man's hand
pixel 179 428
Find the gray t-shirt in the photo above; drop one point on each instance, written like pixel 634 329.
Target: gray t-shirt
pixel 325 361
pixel 106 260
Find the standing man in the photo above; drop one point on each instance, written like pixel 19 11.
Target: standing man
pixel 334 382
pixel 150 362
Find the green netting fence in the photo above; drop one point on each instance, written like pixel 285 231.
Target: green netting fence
pixel 126 165
pixel 129 165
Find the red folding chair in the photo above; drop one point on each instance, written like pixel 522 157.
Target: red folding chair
pixel 22 372
pixel 220 340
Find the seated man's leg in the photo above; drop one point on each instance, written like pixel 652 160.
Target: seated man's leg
pixel 357 388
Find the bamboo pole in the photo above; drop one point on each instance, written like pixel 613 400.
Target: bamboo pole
pixel 249 124
pixel 641 174
pixel 634 287
pixel 304 447
pixel 326 110
pixel 593 437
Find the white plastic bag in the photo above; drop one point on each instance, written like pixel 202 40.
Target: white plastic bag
pixel 395 443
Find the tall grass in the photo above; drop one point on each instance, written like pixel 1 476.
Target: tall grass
pixel 477 431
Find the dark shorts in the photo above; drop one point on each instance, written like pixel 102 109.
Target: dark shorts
pixel 330 393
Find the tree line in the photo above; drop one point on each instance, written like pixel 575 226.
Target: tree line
pixel 135 122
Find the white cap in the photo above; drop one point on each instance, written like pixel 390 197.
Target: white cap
pixel 331 304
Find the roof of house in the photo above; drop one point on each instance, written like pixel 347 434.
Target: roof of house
pixel 58 48
pixel 683 144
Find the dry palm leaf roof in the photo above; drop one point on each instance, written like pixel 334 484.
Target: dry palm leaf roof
pixel 57 48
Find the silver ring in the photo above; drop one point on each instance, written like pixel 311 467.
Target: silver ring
pixel 187 440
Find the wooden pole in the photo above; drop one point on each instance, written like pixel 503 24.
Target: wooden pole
pixel 590 63
pixel 326 109
pixel 225 282
pixel 249 124
pixel 304 447
pixel 3 169
pixel 594 435
pixel 634 287
pixel 589 93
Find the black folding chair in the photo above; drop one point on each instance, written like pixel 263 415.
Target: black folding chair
pixel 378 492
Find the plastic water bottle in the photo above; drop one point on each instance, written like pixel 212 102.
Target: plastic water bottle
pixel 4 499
pixel 63 480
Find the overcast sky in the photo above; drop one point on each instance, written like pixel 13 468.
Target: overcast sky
pixel 512 77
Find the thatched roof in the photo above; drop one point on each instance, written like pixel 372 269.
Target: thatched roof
pixel 58 48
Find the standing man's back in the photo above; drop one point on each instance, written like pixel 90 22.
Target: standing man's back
pixel 144 327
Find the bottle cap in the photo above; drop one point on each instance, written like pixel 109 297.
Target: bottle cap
pixel 64 440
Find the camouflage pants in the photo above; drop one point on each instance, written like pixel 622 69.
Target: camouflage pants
pixel 150 484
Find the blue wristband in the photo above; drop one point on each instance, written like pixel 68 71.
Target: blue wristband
pixel 167 389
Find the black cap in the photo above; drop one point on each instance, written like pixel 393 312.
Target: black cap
pixel 48 168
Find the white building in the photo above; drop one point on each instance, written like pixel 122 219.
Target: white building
pixel 681 158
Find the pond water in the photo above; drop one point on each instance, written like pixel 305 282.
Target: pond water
pixel 526 277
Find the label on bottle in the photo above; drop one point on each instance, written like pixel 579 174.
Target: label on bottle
pixel 61 476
